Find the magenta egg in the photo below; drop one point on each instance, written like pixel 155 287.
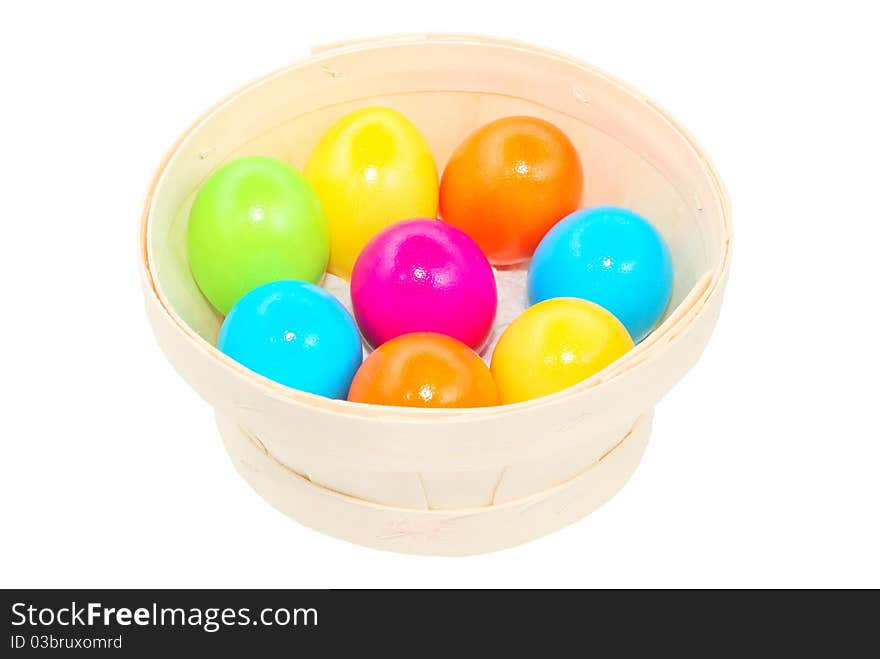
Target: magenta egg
pixel 423 275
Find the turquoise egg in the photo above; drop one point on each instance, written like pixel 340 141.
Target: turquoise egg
pixel 607 255
pixel 297 334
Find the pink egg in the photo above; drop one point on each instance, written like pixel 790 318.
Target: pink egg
pixel 423 275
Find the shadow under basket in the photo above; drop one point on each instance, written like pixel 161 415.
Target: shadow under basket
pixel 462 481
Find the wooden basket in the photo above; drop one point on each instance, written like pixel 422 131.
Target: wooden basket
pixel 446 482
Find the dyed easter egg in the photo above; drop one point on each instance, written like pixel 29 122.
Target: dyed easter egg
pixel 553 345
pixel 253 221
pixel 508 183
pixel 424 370
pixel 370 169
pixel 422 275
pixel 297 334
pixel 610 256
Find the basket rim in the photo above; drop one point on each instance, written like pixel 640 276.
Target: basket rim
pixel 346 408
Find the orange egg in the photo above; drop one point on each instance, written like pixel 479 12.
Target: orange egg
pixel 508 183
pixel 424 369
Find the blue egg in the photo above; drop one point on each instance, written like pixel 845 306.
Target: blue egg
pixel 610 256
pixel 294 333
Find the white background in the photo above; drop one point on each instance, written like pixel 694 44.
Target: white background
pixel 763 466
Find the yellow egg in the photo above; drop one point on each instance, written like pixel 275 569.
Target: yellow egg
pixel 370 169
pixel 555 344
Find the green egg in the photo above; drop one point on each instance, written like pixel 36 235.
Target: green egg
pixel 254 221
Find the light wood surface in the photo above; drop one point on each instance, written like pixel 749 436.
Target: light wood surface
pixel 347 469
